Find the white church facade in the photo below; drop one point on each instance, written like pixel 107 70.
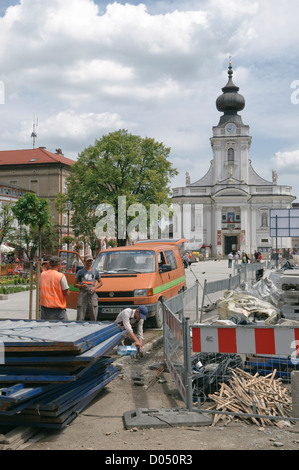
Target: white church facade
pixel 228 209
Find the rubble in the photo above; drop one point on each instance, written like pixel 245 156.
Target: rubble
pixel 247 308
pixel 264 289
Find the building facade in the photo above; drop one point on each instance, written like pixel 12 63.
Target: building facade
pixel 41 172
pixel 228 208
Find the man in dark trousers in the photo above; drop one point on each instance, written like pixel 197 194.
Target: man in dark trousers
pixel 88 281
pixel 133 319
pixel 53 292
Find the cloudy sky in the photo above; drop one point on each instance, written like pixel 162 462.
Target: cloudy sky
pixel 84 68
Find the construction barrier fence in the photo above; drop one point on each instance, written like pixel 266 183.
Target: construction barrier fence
pixel 177 346
pixel 244 273
pixel 247 371
pixel 250 271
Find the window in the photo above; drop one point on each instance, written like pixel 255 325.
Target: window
pixel 34 186
pixel 170 259
pixel 230 155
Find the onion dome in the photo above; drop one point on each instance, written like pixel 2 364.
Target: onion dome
pixel 230 102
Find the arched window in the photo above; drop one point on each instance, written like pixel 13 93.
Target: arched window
pixel 231 155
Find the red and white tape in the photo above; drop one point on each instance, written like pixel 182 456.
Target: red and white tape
pixel 246 339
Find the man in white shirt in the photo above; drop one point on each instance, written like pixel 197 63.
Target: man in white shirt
pixel 130 319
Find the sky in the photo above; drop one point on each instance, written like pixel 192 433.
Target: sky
pixel 80 69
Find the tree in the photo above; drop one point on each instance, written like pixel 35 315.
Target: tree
pixel 35 213
pixel 7 220
pixel 119 164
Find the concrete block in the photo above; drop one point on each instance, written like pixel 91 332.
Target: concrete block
pixel 153 418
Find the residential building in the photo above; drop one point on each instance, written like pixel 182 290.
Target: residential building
pixel 39 171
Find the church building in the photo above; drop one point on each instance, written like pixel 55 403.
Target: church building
pixel 228 209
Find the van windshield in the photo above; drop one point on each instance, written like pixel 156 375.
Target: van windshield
pixel 137 261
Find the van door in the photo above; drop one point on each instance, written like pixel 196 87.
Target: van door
pixel 167 268
pixel 71 263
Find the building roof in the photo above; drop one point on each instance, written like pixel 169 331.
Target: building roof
pixel 32 156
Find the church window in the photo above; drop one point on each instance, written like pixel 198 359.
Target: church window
pixel 231 155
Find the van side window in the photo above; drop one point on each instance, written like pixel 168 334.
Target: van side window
pixel 171 259
pixel 161 258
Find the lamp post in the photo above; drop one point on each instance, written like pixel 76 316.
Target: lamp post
pixel 68 208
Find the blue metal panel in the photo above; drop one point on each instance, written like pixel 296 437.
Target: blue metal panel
pixel 46 335
pixel 65 364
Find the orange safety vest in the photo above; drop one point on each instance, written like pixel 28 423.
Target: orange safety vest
pixel 51 294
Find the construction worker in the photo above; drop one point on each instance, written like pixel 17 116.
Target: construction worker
pixel 132 319
pixel 87 280
pixel 54 289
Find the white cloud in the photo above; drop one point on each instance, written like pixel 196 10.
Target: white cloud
pixel 69 129
pixel 287 162
pixel 89 67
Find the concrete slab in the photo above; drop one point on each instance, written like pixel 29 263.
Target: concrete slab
pixel 153 418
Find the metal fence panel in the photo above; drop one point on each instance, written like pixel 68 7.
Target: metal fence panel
pixel 173 349
pixel 244 371
pixel 177 342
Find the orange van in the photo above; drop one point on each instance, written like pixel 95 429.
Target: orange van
pixel 141 274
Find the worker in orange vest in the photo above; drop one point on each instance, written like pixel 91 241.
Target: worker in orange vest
pixel 54 289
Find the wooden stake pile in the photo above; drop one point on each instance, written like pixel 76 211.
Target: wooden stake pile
pixel 252 394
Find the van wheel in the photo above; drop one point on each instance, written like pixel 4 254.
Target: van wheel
pixel 157 320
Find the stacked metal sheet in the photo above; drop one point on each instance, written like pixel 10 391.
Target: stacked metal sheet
pixel 52 370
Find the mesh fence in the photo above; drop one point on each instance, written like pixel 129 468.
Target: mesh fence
pixel 257 389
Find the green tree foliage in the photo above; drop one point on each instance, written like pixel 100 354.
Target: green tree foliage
pixel 119 164
pixel 7 219
pixel 35 213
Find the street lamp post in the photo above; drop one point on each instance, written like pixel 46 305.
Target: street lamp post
pixel 68 208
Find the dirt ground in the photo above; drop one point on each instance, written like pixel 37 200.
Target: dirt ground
pixel 101 425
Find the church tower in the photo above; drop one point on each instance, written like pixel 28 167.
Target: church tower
pixel 228 209
pixel 231 140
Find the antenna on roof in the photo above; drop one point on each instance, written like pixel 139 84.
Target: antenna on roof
pixel 34 134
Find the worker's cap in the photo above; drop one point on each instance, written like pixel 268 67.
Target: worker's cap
pixel 88 257
pixel 143 311
pixel 55 260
